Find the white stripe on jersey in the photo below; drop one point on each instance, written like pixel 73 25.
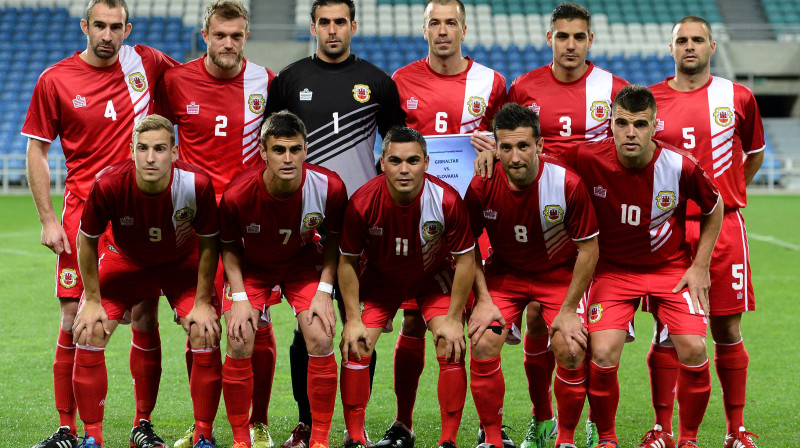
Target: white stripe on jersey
pixel 184 195
pixel 599 85
pixel 480 80
pixel 315 196
pixel 431 211
pixel 256 81
pixel 131 63
pixel 666 178
pixel 551 193
pixel 720 95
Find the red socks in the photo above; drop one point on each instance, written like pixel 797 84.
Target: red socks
pixel 321 395
pixel 488 388
pixel 694 390
pixel 663 364
pixel 63 365
pixel 355 394
pixel 570 391
pixel 409 361
pixel 452 391
pixel 603 399
pixel 263 360
pixel 205 386
pixel 237 383
pixel 90 382
pixel 539 365
pixel 731 362
pixel 145 364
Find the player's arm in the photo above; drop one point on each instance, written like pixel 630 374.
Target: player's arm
pixel 322 302
pixel 452 329
pixel 484 162
pixel 354 331
pixel 484 311
pixel 53 235
pixel 92 310
pixel 240 313
pixel 567 320
pixel 752 163
pixel 203 313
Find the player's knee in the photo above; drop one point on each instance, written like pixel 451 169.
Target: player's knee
pixel 692 351
pixel 535 324
pixel 239 349
pixel 726 329
pixel 489 345
pixel 567 360
pixel 318 343
pixel 197 339
pixel 414 324
pixel 69 309
pixel 605 355
pixel 144 315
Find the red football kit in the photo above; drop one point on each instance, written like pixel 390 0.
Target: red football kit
pixel 569 112
pixel 93 111
pixel 449 104
pixel 718 123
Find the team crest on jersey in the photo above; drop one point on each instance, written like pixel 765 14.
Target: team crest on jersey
pixel 376 231
pixel 432 229
pixel 253 228
pixel 553 214
pixel 600 192
pixel 659 124
pixel 184 214
pixel 126 221
pixel 599 110
pixel 79 102
pixel 312 220
pixel 137 81
pixel 535 107
pixel 723 116
pixel 412 103
pixel 666 200
pixel 490 214
pixel 192 109
pixel 476 106
pixel 361 93
pixel 68 278
pixel 595 313
pixel 256 103
pixel 306 95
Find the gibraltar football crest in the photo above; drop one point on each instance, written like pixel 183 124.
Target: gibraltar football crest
pixel 666 200
pixel 476 106
pixel 595 313
pixel 723 116
pixel 184 214
pixel 553 214
pixel 432 229
pixel 361 93
pixel 68 278
pixel 137 81
pixel 599 110
pixel 256 103
pixel 312 221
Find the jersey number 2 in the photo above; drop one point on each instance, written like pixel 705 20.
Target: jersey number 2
pixel 222 123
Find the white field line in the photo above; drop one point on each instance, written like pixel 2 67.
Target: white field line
pixel 773 240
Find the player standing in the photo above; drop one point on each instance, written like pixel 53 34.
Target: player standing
pixel 218 102
pixel 163 218
pixel 91 100
pixel 719 123
pixel 343 101
pixel 406 224
pixel 648 184
pixel 538 215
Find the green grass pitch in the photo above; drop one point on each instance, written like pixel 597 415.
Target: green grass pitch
pixel 29 326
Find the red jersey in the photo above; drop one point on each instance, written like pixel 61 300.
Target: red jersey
pixel 93 109
pixel 642 213
pixel 718 123
pixel 218 119
pixel 275 231
pixel 449 104
pixel 532 230
pixel 405 244
pixel 569 112
pixel 152 230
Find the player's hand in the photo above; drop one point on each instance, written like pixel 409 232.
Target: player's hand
pixel 698 281
pixel 322 307
pixel 568 323
pixel 484 164
pixel 240 315
pixel 481 142
pixel 88 315
pixel 452 331
pixel 354 331
pixel 55 238
pixel 205 317
pixel 483 314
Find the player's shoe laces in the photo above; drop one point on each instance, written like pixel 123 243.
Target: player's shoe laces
pixel 657 438
pixel 143 436
pixel 397 436
pixel 259 436
pixel 447 444
pixel 299 437
pixel 592 437
pixel 367 443
pixel 60 439
pixel 539 433
pixel 689 444
pixel 740 439
pixel 202 442
pixel 88 442
pixel 186 439
pixel 507 442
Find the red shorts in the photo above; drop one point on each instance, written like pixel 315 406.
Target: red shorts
pixel 264 290
pixel 614 295
pixel 731 286
pixel 124 284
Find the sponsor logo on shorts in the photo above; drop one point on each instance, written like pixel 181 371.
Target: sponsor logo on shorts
pixel 553 214
pixel 79 102
pixel 306 95
pixel 535 107
pixel 599 110
pixel 476 106
pixel 600 192
pixel 137 81
pixel 432 229
pixel 666 200
pixel 184 214
pixel 412 103
pixel 256 103
pixel 361 93
pixel 490 214
pixel 723 116
pixel 193 109
pixel 68 278
pixel 312 221
pixel 595 313
pixel 253 228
